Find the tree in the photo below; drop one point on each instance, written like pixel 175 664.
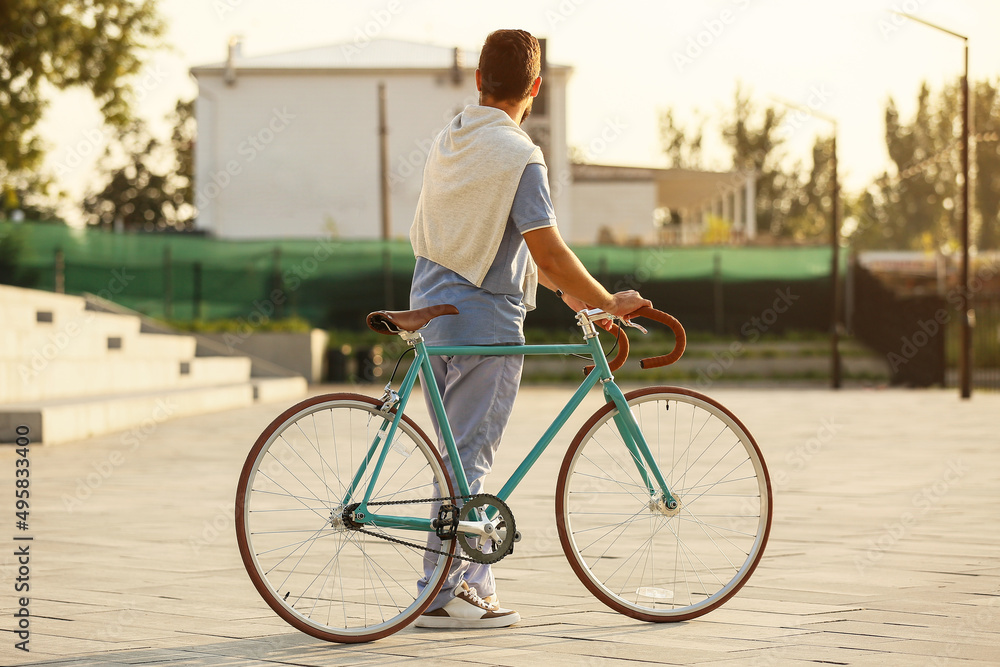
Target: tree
pixel 12 251
pixel 811 204
pixel 681 146
pixel 919 206
pixel 786 207
pixel 753 137
pixel 986 122
pixel 95 44
pixel 151 188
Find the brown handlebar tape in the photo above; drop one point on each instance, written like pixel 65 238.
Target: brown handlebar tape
pixel 680 338
pixel 680 341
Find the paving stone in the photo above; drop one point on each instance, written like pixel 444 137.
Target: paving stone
pixel 880 552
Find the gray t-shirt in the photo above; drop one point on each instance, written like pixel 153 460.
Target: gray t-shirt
pixel 492 314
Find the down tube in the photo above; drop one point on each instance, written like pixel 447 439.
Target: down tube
pixel 574 402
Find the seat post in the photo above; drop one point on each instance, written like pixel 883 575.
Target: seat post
pixel 411 337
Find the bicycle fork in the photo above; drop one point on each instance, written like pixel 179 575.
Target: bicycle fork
pixel 661 499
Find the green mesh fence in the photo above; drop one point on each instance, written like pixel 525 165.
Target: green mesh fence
pixel 334 283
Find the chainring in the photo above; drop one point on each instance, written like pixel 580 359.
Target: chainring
pixel 475 546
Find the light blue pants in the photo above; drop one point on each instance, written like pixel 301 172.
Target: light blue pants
pixel 478 394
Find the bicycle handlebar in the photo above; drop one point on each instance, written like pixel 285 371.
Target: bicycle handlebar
pixel 680 337
pixel 680 341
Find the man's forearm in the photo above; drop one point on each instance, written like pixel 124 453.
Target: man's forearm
pixel 560 268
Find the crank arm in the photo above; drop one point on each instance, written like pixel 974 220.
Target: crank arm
pixel 481 528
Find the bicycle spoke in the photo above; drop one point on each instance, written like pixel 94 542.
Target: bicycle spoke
pixel 643 559
pixel 305 555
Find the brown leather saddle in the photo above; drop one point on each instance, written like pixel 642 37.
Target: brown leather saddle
pixel 392 322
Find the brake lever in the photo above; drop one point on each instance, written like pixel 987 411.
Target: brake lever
pixel 628 323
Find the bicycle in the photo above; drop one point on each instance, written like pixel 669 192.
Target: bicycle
pixel 663 500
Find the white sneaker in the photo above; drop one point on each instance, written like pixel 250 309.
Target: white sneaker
pixel 468 610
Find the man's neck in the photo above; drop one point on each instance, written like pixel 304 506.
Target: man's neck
pixel 513 109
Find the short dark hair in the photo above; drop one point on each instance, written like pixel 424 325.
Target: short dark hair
pixel 509 63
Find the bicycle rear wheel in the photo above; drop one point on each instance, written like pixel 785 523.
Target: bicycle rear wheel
pixel 317 572
pixel 636 556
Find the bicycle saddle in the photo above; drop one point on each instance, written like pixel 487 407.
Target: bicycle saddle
pixel 392 322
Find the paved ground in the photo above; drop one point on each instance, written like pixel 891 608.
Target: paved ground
pixel 884 550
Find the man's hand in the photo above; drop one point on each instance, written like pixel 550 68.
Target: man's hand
pixel 621 305
pixel 627 302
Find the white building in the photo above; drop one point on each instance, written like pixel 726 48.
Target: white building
pixel 289 146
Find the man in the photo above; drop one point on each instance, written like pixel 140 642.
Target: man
pixel 485 235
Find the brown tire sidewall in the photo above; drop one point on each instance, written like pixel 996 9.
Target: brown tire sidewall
pixel 245 550
pixel 567 543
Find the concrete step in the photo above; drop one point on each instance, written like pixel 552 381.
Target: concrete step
pixel 44 379
pixel 161 346
pixel 78 341
pixel 214 370
pixel 39 299
pixel 26 316
pixel 137 414
pixel 267 390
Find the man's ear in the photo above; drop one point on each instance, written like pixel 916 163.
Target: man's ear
pixel 479 80
pixel 535 86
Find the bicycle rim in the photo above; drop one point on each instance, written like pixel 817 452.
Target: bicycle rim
pixel 634 556
pixel 317 573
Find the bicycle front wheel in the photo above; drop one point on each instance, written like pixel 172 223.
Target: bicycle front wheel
pixel 628 549
pixel 313 568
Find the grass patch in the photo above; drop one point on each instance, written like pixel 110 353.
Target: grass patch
pixel 285 325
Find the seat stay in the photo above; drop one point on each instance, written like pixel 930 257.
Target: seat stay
pixel 384 436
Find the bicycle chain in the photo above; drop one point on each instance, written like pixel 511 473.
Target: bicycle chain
pixel 414 544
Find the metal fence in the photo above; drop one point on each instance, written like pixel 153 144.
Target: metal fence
pixel 985 344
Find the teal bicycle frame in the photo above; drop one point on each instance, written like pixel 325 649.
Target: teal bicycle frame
pixel 624 420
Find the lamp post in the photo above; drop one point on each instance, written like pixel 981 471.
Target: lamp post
pixel 383 165
pixel 835 361
pixel 965 350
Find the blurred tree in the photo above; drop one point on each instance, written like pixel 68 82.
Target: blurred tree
pixel 681 146
pixel 811 204
pixel 11 258
pixel 182 140
pixel 785 207
pixel 754 138
pixel 986 115
pixel 96 44
pixel 152 190
pixel 13 205
pixel 920 206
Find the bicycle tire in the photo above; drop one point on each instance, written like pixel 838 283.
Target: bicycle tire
pixel 627 551
pixel 318 574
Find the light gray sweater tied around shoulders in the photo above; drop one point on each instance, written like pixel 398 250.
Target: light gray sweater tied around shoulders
pixel 472 173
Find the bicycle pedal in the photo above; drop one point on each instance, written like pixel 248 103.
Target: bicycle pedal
pixel 446 524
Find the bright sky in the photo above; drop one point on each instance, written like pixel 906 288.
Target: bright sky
pixel 631 60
